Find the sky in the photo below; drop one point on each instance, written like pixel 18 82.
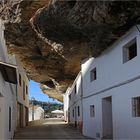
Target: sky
pixel 36 92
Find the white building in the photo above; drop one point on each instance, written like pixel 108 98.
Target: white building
pixel 111 90
pixel 22 96
pixel 66 105
pixel 37 111
pixel 9 91
pixel 58 113
pixel 73 104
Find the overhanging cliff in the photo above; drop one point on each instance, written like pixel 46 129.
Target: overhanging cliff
pixel 52 37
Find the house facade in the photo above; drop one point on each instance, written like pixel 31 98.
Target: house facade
pixel 8 95
pixel 109 94
pixel 9 91
pixel 36 113
pixel 73 104
pixel 22 96
pixel 111 91
pixel 66 105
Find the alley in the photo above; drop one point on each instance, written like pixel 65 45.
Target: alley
pixel 51 129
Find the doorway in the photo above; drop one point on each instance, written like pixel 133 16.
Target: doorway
pixel 68 115
pixel 107 118
pixel 20 115
pixel 26 116
pixel 75 119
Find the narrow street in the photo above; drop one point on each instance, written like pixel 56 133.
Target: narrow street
pixel 51 129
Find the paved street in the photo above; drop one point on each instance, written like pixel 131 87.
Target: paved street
pixel 51 129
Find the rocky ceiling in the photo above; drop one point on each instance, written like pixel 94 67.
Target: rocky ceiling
pixel 52 37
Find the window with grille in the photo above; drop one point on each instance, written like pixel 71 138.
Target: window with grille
pixel 93 75
pixel 73 113
pixel 78 110
pixel 92 111
pixel 130 51
pixel 75 89
pixel 70 96
pixel 136 107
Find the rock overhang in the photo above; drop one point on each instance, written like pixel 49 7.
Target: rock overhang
pixel 52 37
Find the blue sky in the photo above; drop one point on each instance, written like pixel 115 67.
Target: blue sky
pixel 35 91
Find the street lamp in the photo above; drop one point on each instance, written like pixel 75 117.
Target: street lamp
pixel 33 99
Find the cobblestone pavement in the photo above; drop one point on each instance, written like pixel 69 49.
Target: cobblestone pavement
pixel 50 130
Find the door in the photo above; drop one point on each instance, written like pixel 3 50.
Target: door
pixel 10 118
pixel 75 116
pixel 20 115
pixel 107 118
pixel 26 116
pixel 68 115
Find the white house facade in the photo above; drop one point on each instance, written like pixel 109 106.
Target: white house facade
pixel 73 100
pixel 22 96
pixel 8 94
pixel 9 90
pixel 111 90
pixel 37 111
pixel 66 105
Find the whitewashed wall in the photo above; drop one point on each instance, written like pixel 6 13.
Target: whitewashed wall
pixel 20 98
pixel 9 93
pixel 111 71
pixel 110 67
pixel 66 104
pixel 74 102
pixel 38 113
pixel 24 78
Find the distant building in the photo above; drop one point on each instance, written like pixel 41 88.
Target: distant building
pixel 57 113
pixel 11 92
pixel 37 111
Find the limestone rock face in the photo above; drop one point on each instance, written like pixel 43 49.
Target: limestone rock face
pixel 98 23
pixel 52 37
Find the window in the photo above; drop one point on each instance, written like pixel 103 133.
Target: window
pixel 70 96
pixel 78 111
pixel 75 89
pixel 19 79
pixel 23 90
pixel 1 95
pixel 92 111
pixel 26 89
pixel 73 113
pixel 136 107
pixel 9 119
pixel 93 75
pixel 130 51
